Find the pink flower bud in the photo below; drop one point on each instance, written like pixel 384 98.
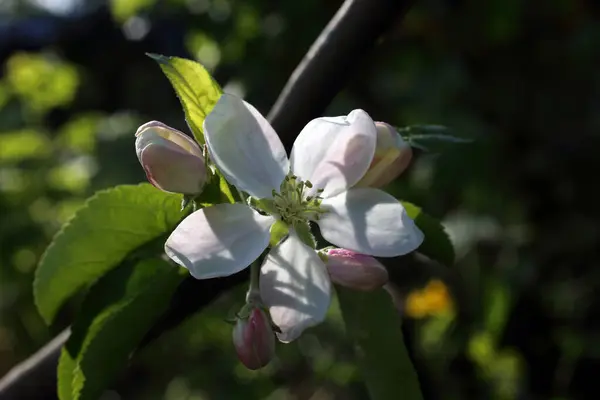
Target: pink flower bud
pixel 355 270
pixel 172 161
pixel 392 156
pixel 254 339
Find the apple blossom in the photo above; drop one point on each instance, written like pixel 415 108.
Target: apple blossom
pixel 392 156
pixel 354 270
pixel 329 156
pixel 172 161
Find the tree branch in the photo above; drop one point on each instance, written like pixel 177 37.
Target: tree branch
pixel 35 377
pixel 348 38
pixel 319 77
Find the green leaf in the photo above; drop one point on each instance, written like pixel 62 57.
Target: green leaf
pixel 66 366
pixel 217 191
pixel 279 231
pixel 22 145
pixel 437 244
pixel 197 90
pixel 115 316
pixel 430 137
pixel 102 233
pixel 225 189
pixel 374 327
pixel 303 231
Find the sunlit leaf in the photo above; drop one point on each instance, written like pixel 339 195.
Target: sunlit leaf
pixel 41 82
pixel 25 144
pixel 122 10
pixel 64 375
pixel 101 234
pixel 197 90
pixel 73 176
pixel 204 48
pixel 79 133
pixel 225 191
pixel 116 314
pixel 437 244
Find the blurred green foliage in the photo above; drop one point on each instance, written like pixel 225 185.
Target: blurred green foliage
pixel 519 77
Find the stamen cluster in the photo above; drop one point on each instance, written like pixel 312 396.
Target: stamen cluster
pixel 292 204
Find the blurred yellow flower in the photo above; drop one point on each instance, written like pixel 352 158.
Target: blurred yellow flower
pixel 434 299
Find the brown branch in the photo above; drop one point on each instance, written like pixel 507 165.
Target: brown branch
pixel 348 38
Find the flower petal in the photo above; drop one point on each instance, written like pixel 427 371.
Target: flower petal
pixel 369 221
pixel 355 270
pixel 335 153
pixel 295 285
pixel 153 129
pixel 219 240
pixel 170 168
pixel 244 146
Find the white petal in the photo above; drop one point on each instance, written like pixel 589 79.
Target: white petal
pixel 219 240
pixel 294 284
pixel 172 169
pixel 335 153
pixel 369 221
pixel 156 129
pixel 244 146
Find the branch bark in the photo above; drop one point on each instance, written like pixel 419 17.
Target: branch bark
pixel 350 36
pixel 35 378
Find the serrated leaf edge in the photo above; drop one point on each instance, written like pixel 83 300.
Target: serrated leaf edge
pixel 164 62
pixel 61 231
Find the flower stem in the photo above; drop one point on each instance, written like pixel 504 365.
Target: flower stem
pixel 373 325
pixel 253 294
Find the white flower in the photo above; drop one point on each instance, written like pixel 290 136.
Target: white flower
pixel 328 158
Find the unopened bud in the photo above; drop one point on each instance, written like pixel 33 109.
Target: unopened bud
pixel 172 161
pixel 392 156
pixel 355 270
pixel 254 339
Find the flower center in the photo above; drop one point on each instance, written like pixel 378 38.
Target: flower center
pixel 293 205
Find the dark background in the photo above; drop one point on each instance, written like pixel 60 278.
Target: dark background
pixel 516 317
